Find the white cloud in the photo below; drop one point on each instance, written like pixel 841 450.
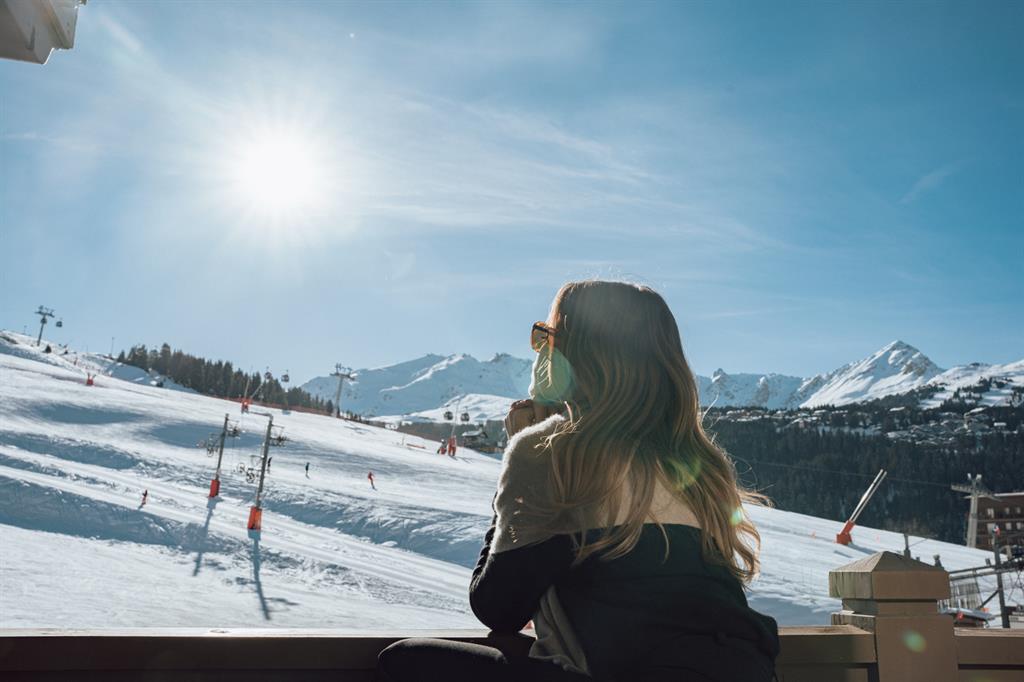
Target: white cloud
pixel 930 181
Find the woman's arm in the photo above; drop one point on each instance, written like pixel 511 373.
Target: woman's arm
pixel 506 587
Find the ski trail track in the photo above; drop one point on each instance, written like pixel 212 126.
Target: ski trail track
pixel 282 534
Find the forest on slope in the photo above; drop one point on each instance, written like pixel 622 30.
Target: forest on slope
pixel 823 469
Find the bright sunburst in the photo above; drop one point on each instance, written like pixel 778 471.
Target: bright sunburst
pixel 276 173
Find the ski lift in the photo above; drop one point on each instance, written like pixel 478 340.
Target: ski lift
pixel 60 323
pixel 285 378
pixel 464 417
pixel 268 376
pixel 277 436
pixel 448 415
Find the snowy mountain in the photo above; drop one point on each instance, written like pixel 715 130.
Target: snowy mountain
pixel 430 383
pixel 333 552
pixel 772 391
pixel 895 368
pixel 423 389
pixel 1003 378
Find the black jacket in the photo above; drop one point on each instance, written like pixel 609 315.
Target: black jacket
pixel 636 617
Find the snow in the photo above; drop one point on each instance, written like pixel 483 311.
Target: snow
pixel 771 391
pixel 77 549
pixel 426 384
pixel 422 389
pixel 964 376
pixel 479 407
pixel 895 368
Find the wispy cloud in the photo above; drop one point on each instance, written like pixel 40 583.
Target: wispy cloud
pixel 930 181
pixel 749 312
pixel 122 37
pixel 65 142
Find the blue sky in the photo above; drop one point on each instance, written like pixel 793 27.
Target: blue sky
pixel 804 182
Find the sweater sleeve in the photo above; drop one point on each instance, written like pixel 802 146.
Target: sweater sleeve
pixel 507 586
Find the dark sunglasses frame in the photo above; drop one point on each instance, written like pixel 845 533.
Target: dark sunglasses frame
pixel 536 340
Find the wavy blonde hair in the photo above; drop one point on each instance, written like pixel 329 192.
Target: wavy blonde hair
pixel 633 416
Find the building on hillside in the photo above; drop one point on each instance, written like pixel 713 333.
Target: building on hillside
pixel 1001 515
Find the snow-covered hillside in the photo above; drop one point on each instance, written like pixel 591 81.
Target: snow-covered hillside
pixel 772 391
pixel 423 389
pixel 480 408
pixel 895 368
pixel 77 549
pixel 427 383
pixel 1003 380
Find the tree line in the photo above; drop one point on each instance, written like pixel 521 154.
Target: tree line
pixel 219 378
pixel 824 471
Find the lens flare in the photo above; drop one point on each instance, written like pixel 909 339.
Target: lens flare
pixel 914 641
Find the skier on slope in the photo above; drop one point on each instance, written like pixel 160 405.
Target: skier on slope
pixel 370 476
pixel 442 449
pixel 307 469
pixel 451 446
pixel 145 494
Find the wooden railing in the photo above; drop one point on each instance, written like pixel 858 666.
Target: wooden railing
pixel 888 631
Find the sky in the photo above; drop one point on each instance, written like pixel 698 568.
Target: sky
pixel 295 185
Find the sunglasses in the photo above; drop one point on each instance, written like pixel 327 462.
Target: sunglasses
pixel 541 335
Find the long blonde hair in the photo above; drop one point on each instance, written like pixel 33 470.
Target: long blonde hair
pixel 634 418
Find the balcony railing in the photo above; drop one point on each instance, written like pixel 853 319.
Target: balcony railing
pixel 889 630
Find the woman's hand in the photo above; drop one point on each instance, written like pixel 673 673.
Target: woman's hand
pixel 525 413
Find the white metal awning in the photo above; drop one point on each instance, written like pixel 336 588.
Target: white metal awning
pixel 31 29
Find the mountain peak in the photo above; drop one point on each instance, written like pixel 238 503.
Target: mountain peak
pixel 898 345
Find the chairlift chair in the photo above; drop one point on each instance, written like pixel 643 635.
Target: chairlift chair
pixel 464 417
pixel 285 378
pixel 60 323
pixel 448 415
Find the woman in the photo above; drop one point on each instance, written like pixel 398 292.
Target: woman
pixel 619 527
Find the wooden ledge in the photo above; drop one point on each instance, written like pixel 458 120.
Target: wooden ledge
pixel 264 649
pixel 991 648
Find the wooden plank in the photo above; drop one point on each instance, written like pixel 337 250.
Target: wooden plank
pixel 990 647
pixel 820 673
pixel 190 676
pixel 321 649
pixel 831 645
pixel 193 649
pixel 984 675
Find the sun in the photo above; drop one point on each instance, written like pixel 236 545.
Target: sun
pixel 276 173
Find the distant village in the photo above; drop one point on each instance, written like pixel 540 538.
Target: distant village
pixel 900 418
pixel 941 428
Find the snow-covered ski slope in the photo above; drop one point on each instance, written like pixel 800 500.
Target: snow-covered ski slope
pixel 78 550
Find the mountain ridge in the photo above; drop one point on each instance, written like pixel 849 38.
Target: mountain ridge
pixel 434 383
